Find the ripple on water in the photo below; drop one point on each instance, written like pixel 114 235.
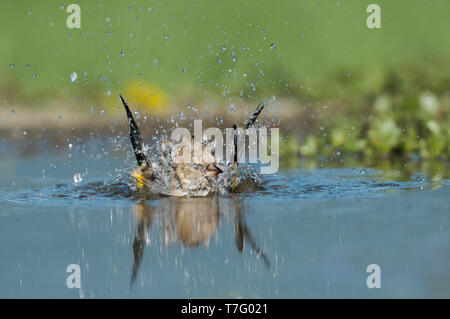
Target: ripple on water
pixel 317 184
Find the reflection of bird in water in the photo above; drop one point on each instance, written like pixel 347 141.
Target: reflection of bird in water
pixel 195 224
pixel 191 222
pixel 173 178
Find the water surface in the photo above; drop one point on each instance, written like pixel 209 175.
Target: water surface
pixel 304 233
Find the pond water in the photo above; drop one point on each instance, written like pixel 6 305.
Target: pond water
pixel 304 233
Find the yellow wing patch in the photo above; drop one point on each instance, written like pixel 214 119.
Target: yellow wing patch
pixel 236 178
pixel 140 181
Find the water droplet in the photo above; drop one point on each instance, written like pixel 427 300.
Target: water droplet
pixel 73 76
pixel 166 36
pixel 363 172
pixel 219 61
pixel 11 66
pixel 123 53
pixel 77 178
pixel 347 74
pixel 28 66
pixel 34 75
pixel 138 75
pixel 195 3
pixel 272 46
pixel 13 111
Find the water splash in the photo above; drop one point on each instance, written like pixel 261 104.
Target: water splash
pixel 164 177
pixel 77 178
pixel 73 77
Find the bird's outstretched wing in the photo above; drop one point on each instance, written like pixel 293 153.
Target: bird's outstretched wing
pixel 135 137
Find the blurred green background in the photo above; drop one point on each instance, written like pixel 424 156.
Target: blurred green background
pixel 371 92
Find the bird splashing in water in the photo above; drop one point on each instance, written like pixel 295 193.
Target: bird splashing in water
pixel 162 175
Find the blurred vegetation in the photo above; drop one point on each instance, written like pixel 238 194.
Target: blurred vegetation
pixel 371 93
pixel 395 112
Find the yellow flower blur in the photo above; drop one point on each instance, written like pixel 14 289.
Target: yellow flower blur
pixel 147 96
